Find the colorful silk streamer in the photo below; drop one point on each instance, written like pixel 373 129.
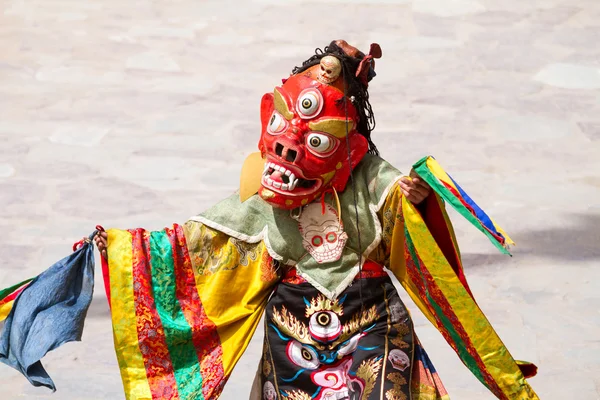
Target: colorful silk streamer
pixel 443 184
pixel 8 297
pixel 179 330
pixel 160 328
pixel 440 290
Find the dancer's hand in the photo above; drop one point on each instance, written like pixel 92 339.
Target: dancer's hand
pixel 414 188
pixel 100 240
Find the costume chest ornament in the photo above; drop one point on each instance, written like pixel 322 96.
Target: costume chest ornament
pixel 322 232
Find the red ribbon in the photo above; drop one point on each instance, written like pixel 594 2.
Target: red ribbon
pixel 330 190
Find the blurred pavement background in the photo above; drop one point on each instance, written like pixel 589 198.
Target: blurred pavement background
pixel 140 113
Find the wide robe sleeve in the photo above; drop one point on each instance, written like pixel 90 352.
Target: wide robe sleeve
pixel 185 302
pixel 421 251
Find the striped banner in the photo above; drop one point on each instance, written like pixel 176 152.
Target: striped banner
pixel 8 297
pixel 166 345
pixel 446 297
pixel 443 184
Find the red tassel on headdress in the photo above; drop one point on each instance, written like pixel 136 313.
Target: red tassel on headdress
pixel 367 61
pixel 362 72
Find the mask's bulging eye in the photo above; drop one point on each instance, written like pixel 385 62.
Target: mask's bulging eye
pixel 325 326
pixel 277 124
pixel 320 144
pixel 310 103
pixel 303 356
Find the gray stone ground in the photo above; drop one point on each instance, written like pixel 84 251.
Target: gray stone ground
pixel 140 113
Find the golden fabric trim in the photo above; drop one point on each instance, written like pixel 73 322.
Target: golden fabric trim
pixel 368 371
pixel 321 303
pixel 396 393
pixel 290 326
pixel 247 251
pixel 399 343
pixel 297 395
pixel 268 348
pixel 401 328
pixel 387 335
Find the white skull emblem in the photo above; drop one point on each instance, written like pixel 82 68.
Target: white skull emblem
pixel 323 234
pixel 330 69
pixel 269 392
pixel 399 359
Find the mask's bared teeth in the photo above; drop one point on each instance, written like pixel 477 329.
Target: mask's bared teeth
pixel 284 186
pixel 270 181
pixel 292 177
pixel 288 172
pixel 293 184
pixel 276 185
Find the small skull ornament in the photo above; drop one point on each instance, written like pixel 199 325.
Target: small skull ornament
pixel 323 233
pixel 397 311
pixel 330 69
pixel 399 359
pixel 269 392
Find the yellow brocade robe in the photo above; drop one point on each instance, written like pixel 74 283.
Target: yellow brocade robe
pixel 231 277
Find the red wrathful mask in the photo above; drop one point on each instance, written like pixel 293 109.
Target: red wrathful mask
pixel 306 130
